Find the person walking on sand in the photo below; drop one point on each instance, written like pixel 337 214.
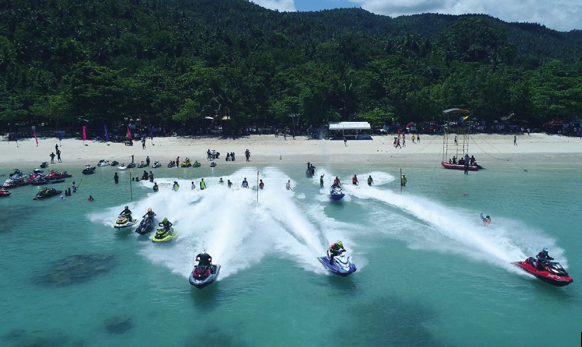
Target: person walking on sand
pixel 418 138
pixel 456 143
pixel 56 147
pixel 116 178
pixel 143 146
pixel 59 156
pixel 148 160
pixel 412 138
pixel 178 162
pixel 52 155
pixel 515 140
pixel 345 141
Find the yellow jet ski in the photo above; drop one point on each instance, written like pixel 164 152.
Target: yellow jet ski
pixel 163 236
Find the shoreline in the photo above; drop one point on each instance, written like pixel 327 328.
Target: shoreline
pixel 539 149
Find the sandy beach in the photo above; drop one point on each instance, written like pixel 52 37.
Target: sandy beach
pixel 267 149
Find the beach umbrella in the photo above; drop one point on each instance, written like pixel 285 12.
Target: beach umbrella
pixel 411 124
pixel 84 134
pixel 34 132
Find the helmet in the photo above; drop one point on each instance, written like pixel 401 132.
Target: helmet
pixel 165 220
pixel 150 209
pixel 126 207
pixel 339 243
pixel 545 250
pixel 488 217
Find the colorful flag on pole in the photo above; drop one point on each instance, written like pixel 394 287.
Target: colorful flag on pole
pixel 34 133
pixel 106 133
pixel 84 133
pixel 128 133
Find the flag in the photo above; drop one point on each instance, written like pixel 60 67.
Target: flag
pixel 34 133
pixel 151 133
pixel 128 133
pixel 106 134
pixel 84 133
pixel 60 135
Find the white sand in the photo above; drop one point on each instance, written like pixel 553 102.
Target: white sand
pixel 267 149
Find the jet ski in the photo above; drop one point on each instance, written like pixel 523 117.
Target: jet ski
pixel 172 164
pixel 4 192
pixel 196 164
pixel 203 275
pixel 39 181
pixel 122 167
pixel 156 165
pixel 186 163
pixel 552 272
pixel 336 193
pixel 141 165
pixel 213 164
pixel 44 165
pixel 53 175
pixel 342 265
pixel 124 222
pixel 44 193
pixel 145 226
pixel 16 182
pixel 163 236
pixel 37 171
pixel 114 163
pixel 130 165
pixel 88 170
pixel 16 174
pixel 103 163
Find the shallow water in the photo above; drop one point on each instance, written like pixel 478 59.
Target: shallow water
pixel 429 273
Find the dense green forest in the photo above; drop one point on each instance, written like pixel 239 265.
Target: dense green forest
pixel 174 62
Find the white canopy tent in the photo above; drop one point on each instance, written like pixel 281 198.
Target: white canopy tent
pixel 349 126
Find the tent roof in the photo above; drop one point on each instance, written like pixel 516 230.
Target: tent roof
pixel 349 126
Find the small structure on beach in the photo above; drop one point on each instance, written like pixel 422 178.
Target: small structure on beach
pixel 353 129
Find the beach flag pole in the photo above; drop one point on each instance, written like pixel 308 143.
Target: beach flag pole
pixel 130 188
pixel 400 180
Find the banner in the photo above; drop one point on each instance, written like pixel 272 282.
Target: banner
pixel 34 133
pixel 128 133
pixel 151 133
pixel 84 133
pixel 106 133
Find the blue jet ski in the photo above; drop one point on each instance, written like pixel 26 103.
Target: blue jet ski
pixel 342 265
pixel 336 193
pixel 146 225
pixel 203 275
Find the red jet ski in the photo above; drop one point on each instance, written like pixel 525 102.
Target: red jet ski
pixel 4 192
pixel 551 272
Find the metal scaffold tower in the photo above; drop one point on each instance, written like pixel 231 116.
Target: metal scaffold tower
pixel 457 126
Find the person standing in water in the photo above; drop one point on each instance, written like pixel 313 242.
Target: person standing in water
pixel 355 180
pixel 193 185
pixel 220 181
pixel 74 188
pixel 288 186
pixel 261 185
pixel 116 178
pixel 156 188
pixel 370 180
pixel 403 181
pixel 202 184
pixel 229 184
pixel 245 184
pixel 321 181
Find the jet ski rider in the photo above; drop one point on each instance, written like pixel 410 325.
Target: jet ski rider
pixel 149 213
pixel 204 259
pixel 335 250
pixel 127 213
pixel 542 258
pixel 165 224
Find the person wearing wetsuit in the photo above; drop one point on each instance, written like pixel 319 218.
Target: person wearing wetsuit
pixel 321 181
pixel 370 180
pixel 165 224
pixel 486 220
pixel 542 258
pixel 221 181
pixel 127 213
pixel 336 182
pixel 204 259
pixel 149 213
pixel 116 178
pixel 245 184
pixel 335 250
pixel 156 187
pixel 261 185
pixel 229 184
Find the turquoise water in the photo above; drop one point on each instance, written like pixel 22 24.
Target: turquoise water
pixel 429 273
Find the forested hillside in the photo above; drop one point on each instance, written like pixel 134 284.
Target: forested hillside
pixel 175 62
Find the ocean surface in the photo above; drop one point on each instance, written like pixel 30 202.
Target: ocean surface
pixel 429 273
